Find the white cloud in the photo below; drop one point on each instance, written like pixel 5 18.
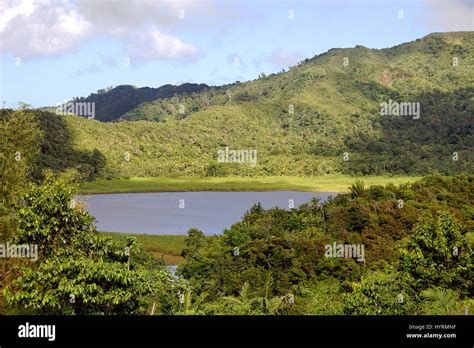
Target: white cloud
pixel 36 28
pixel 450 15
pixel 11 9
pixel 110 14
pixel 154 44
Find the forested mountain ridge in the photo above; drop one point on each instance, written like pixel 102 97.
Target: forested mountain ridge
pixel 322 116
pixel 437 61
pixel 112 103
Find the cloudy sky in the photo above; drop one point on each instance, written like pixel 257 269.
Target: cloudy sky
pixel 53 50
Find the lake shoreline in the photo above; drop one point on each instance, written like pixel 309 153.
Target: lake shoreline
pixel 177 212
pixel 167 247
pixel 326 183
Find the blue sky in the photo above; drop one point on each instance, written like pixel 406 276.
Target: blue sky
pixel 52 51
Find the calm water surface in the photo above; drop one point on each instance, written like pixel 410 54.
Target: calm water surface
pixel 177 212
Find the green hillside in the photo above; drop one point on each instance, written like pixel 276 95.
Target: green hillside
pixel 322 116
pixel 113 103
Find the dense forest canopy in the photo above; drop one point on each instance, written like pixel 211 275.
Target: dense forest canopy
pixel 414 255
pixel 322 116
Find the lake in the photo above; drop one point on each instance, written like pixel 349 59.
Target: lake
pixel 177 212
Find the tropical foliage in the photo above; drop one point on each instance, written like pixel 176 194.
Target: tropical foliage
pixel 322 116
pixel 418 258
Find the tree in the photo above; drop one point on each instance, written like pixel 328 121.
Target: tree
pixel 379 293
pixel 193 242
pixel 20 138
pixel 438 254
pixel 77 271
pixel 441 301
pixel 248 303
